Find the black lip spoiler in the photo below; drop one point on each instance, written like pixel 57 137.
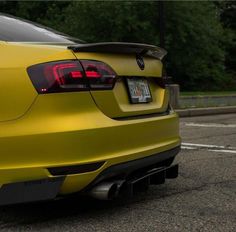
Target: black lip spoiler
pixel 118 47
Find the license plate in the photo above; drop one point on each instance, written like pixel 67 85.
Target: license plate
pixel 139 91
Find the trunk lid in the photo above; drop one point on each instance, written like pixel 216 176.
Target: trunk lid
pixel 123 59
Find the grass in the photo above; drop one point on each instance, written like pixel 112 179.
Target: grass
pixel 215 93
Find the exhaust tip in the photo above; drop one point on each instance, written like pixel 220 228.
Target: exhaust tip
pixel 112 193
pixel 104 191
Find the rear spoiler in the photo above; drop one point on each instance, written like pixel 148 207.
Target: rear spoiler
pixel 118 47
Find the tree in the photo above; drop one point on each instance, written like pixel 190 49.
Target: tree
pixel 108 21
pixel 228 18
pixel 195 44
pixel 199 35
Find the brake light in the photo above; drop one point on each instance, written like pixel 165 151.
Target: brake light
pixel 61 76
pixel 99 75
pixel 72 75
pixel 164 80
pixel 76 74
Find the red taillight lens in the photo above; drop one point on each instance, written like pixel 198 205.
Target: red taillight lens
pixel 99 75
pixel 59 76
pixel 64 76
pixel 164 80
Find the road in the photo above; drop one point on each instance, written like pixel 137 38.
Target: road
pixel 202 198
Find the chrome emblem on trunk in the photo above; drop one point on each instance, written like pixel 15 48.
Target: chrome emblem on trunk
pixel 140 62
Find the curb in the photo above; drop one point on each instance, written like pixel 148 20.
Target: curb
pixel 191 112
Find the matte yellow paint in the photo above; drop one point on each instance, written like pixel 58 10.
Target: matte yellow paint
pixel 16 91
pixel 115 103
pixel 42 131
pixel 126 65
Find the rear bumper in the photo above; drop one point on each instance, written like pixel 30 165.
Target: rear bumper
pixel 126 169
pixel 64 130
pixel 30 191
pixel 49 188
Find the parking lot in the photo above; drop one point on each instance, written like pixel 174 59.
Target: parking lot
pixel 202 198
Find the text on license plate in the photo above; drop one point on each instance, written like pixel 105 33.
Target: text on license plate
pixel 139 91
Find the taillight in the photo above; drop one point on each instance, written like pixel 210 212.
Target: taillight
pixel 73 75
pixel 99 75
pixel 58 76
pixel 164 80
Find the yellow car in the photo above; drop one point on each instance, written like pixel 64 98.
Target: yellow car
pixel 75 117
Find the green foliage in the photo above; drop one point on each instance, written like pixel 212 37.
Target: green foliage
pixel 200 36
pixel 195 45
pixel 228 18
pixel 108 21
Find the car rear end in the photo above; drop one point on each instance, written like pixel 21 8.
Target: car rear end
pixel 83 116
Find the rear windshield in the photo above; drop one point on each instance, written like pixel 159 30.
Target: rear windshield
pixel 17 30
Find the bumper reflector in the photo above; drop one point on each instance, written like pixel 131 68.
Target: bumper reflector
pixel 75 169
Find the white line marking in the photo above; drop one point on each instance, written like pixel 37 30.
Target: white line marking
pixel 203 145
pixel 219 150
pixel 225 151
pixel 188 148
pixel 210 125
pixel 214 148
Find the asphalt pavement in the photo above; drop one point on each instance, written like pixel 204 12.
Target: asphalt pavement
pixel 202 198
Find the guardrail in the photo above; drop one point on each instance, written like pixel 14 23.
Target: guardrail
pixel 183 102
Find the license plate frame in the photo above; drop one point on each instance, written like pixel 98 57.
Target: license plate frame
pixel 138 90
